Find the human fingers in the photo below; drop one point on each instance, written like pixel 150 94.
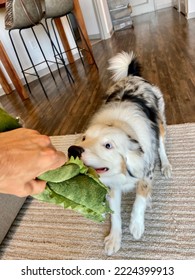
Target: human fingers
pixel 29 188
pixel 50 159
pixel 37 186
pixel 32 187
pixel 59 160
pixel 41 140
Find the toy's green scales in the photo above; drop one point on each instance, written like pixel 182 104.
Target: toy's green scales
pixel 73 185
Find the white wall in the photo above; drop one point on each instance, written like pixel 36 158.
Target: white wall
pixel 90 18
pixel 191 5
pixel 191 9
pixel 103 17
pixel 107 16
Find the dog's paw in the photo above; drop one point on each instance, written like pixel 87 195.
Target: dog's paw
pixel 166 170
pixel 112 243
pixel 137 228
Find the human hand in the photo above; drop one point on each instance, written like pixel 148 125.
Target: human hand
pixel 24 155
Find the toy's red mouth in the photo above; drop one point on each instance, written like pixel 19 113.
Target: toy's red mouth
pixel 101 170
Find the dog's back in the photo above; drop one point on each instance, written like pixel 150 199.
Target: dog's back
pixel 132 87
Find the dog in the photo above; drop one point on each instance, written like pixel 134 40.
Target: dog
pixel 123 142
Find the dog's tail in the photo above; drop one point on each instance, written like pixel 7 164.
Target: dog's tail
pixel 123 65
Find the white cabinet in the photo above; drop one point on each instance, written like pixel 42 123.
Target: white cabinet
pixel 142 6
pixel 120 12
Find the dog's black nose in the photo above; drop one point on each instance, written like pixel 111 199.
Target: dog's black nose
pixel 75 151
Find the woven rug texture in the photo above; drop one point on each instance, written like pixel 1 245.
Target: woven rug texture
pixel 46 231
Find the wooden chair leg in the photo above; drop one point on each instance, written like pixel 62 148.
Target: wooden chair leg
pixel 64 39
pixel 12 73
pixel 4 83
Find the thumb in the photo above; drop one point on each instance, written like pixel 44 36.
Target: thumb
pixel 34 187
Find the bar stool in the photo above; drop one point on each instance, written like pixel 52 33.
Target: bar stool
pixel 31 23
pixel 60 8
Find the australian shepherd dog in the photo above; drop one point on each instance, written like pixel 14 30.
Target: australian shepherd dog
pixel 123 141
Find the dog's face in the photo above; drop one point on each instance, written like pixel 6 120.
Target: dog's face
pixel 105 148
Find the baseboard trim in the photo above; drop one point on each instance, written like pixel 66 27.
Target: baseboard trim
pixel 95 36
pixel 190 15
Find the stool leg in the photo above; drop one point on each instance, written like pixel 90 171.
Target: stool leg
pixel 71 28
pixel 43 53
pixel 58 44
pixel 70 78
pixel 30 58
pixel 14 48
pixel 59 53
pixel 53 50
pixel 56 38
pixel 84 40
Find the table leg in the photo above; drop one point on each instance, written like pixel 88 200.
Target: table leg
pixel 5 85
pixel 12 73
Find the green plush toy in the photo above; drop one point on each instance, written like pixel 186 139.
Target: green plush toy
pixel 73 185
pixel 77 187
pixel 7 122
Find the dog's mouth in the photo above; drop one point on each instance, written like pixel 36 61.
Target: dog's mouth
pixel 101 170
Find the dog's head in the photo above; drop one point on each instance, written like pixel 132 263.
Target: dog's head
pixel 107 149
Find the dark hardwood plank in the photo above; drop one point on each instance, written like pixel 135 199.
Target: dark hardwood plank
pixel 164 42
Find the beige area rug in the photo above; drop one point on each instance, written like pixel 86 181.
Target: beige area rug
pixel 44 231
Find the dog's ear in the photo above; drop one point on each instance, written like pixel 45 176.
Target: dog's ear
pixel 134 158
pixel 134 145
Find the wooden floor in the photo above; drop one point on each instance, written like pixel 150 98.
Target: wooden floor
pixel 164 42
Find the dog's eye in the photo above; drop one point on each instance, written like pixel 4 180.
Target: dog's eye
pixel 83 139
pixel 108 146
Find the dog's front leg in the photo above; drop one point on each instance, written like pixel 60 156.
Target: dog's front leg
pixel 166 168
pixel 137 215
pixel 113 240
